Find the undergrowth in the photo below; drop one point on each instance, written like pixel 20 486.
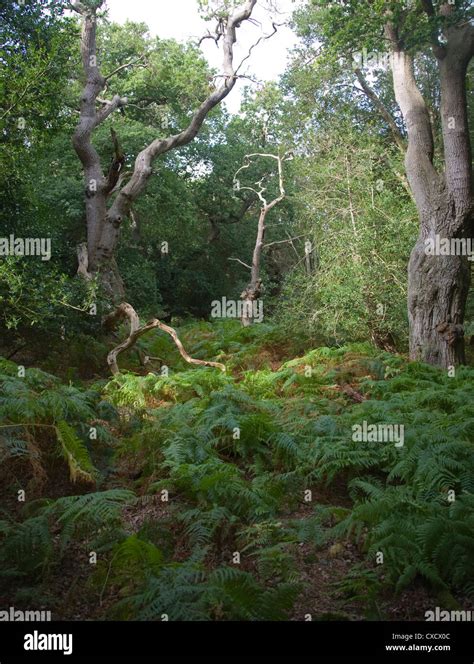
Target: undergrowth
pixel 224 461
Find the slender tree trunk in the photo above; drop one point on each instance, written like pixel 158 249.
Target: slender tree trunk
pixel 254 287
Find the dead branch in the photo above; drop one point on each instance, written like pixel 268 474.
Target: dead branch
pixel 270 244
pixel 126 312
pixel 241 262
pixel 275 27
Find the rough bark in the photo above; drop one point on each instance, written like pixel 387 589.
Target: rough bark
pixel 143 165
pixel 437 293
pixel 97 185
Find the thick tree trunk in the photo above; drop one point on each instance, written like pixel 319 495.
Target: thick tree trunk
pixel 438 284
pixel 437 293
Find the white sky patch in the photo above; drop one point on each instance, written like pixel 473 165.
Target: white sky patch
pixel 180 20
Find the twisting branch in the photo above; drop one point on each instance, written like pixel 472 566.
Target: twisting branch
pixel 275 27
pixel 216 35
pixel 104 223
pixel 249 267
pixel 143 164
pixel 261 190
pixel 126 312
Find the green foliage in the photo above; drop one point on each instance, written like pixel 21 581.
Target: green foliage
pixel 42 417
pixel 185 591
pixel 416 505
pixel 91 514
pixel 360 231
pixel 25 547
pixel 235 453
pixel 28 547
pixel 75 453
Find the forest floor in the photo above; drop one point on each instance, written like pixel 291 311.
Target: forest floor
pixel 235 455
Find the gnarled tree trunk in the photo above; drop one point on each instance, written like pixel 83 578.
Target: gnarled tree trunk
pixel 104 220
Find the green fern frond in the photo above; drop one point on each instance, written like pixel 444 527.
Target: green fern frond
pixel 76 454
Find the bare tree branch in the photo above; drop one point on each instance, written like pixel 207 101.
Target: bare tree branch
pixel 126 312
pixel 291 239
pixel 143 164
pixel 249 267
pixel 275 27
pixel 255 287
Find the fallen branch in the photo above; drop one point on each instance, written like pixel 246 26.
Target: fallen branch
pixel 126 311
